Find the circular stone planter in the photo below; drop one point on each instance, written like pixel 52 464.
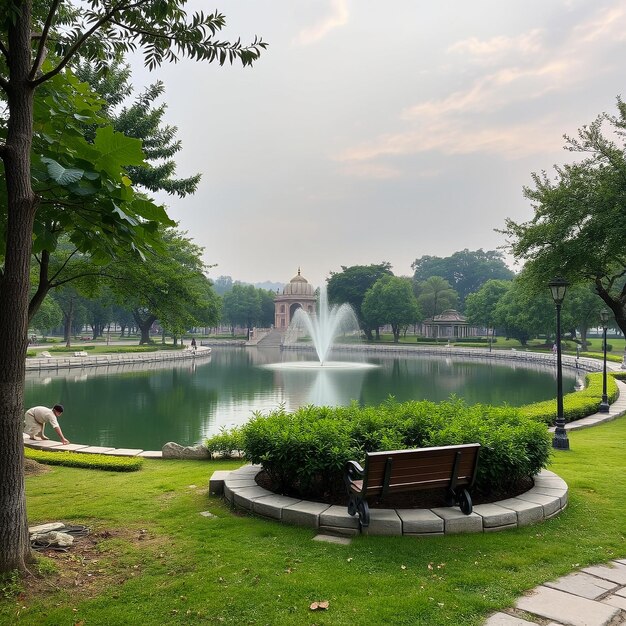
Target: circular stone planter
pixel 546 499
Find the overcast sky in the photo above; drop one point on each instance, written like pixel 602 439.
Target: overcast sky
pixel 373 131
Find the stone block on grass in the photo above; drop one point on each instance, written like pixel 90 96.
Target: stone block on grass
pixel 420 521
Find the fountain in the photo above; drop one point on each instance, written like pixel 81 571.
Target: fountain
pixel 322 328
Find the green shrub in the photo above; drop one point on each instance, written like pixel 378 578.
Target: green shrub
pixel 481 340
pixel 225 443
pixel 31 353
pixel 74 348
pixel 575 405
pixel 616 358
pixel 89 461
pixel 304 452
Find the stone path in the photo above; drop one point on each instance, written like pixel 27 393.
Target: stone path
pixel 594 596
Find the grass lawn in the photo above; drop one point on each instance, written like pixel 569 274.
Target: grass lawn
pixel 158 561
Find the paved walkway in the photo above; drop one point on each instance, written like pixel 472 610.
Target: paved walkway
pixel 594 596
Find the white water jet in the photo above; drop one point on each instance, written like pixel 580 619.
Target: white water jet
pixel 324 327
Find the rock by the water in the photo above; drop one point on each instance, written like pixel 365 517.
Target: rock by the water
pixel 44 528
pixel 172 450
pixel 53 538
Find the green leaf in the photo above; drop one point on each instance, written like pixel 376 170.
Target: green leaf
pixel 60 174
pixel 116 150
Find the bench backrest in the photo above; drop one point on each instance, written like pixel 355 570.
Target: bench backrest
pixel 420 468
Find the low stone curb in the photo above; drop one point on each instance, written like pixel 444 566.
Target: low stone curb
pixel 547 498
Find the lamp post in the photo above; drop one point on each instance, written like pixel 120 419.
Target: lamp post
pixel 604 405
pixel 558 287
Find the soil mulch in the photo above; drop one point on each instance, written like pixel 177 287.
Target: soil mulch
pixel 32 468
pixel 425 499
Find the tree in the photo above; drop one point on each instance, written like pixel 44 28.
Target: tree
pixel 436 295
pixel 351 284
pixel 222 284
pixel 390 300
pixel 480 306
pixel 524 313
pixel 465 270
pixel 141 119
pixel 582 306
pixel 99 31
pixel 578 228
pixel 241 306
pixel 48 316
pixel 172 288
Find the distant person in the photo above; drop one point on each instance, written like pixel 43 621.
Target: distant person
pixel 554 348
pixel 193 343
pixel 35 421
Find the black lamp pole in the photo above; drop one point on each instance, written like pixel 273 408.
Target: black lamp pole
pixel 558 287
pixel 604 405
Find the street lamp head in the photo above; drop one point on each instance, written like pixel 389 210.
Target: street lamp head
pixel 558 287
pixel 604 316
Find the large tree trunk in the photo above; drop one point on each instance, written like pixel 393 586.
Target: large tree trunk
pixel 14 283
pixel 144 325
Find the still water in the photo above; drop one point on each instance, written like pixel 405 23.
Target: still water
pixel 135 406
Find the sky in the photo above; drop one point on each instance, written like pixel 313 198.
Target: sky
pixel 371 132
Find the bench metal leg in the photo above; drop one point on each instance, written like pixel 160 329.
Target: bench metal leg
pixel 356 504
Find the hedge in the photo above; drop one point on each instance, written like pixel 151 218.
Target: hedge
pixel 89 461
pixel 578 404
pixel 304 452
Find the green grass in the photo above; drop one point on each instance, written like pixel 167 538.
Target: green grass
pixel 237 569
pixel 88 461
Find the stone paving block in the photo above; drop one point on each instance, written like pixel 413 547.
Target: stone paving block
pixel 71 447
pixel 151 454
pixel 240 481
pixel 338 531
pixel 494 515
pixel 124 452
pixel 337 517
pixel 527 512
pixel 304 513
pixel 496 529
pixel 615 572
pixel 615 600
pixel 272 505
pixel 457 522
pixel 344 541
pixel 245 496
pixel 566 608
pixel 420 521
pixel 583 585
pixel 43 444
pixel 96 450
pixel 561 494
pixel 216 482
pixel 383 522
pixel 503 619
pixel 246 470
pixel 621 592
pixel 550 504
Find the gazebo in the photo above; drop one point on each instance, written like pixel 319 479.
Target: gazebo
pixel 297 294
pixel 449 324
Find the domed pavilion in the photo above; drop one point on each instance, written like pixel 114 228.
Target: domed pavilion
pixel 297 294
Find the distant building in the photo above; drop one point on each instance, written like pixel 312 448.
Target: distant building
pixel 450 324
pixel 298 294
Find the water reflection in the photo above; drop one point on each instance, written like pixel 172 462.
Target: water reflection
pixel 143 406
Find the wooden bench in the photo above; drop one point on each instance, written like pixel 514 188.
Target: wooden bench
pixel 452 468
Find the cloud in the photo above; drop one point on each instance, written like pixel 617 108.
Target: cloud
pixel 609 23
pixel 456 137
pixel 491 50
pixel 338 17
pixel 492 113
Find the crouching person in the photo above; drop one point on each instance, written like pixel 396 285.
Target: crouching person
pixel 35 421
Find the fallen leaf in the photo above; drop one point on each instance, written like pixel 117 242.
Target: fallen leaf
pixel 317 606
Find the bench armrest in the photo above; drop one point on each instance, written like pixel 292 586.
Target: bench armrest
pixel 352 472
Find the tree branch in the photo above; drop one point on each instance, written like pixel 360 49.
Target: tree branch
pixel 43 40
pixel 123 4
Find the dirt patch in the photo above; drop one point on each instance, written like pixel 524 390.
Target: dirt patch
pixel 424 499
pixel 99 560
pixel 32 468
